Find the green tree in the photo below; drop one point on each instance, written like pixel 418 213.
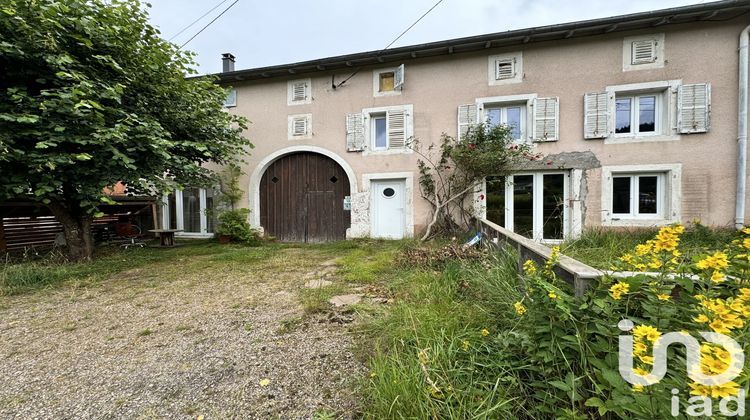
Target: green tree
pixel 91 95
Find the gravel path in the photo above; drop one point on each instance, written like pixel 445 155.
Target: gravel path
pixel 192 338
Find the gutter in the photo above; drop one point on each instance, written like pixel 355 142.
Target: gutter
pixel 739 216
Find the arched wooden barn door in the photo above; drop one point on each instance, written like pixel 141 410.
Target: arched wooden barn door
pixel 302 199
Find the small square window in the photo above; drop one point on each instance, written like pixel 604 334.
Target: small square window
pixel 298 92
pixel 505 69
pixel 387 82
pixel 643 52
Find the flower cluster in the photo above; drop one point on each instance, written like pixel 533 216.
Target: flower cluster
pixel 619 289
pixel 644 337
pixel 657 253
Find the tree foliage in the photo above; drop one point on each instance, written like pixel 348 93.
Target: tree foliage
pixel 451 172
pixel 91 95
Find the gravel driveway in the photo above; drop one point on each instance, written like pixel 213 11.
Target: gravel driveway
pixel 211 336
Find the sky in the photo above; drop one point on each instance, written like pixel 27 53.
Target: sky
pixel 264 33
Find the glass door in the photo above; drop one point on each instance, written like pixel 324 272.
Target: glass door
pixel 531 204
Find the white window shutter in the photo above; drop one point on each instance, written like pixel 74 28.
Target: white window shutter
pixel 396 123
pixel 505 69
pixel 299 126
pixel 546 119
pixel 694 108
pixel 643 52
pixel 467 116
pixel 355 132
pixel 398 77
pixel 596 115
pixel 299 91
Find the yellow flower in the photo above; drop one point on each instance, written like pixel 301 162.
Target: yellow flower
pixel 265 382
pixel 485 332
pixel 746 243
pixel 618 289
pixel 701 319
pixel 647 331
pixel 637 388
pixel 649 360
pixel 639 349
pixel 529 267
pixel 640 372
pixel 663 296
pixel 552 295
pixel 520 309
pixel 719 326
pixel 718 277
pixel 716 391
pixel 465 345
pixel 373 374
pixel 717 261
pixel 746 231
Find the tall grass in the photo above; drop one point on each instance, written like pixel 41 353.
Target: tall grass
pixel 431 359
pixel 601 247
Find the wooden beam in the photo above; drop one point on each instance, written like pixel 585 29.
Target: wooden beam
pixel 450 50
pixel 413 54
pixel 487 44
pixel 569 33
pixel 320 67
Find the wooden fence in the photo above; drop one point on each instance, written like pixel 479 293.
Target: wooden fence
pixel 576 273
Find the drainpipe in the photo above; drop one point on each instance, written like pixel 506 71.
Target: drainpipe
pixel 739 218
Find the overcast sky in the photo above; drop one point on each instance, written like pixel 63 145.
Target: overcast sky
pixel 286 31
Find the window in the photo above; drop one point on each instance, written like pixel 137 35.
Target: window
pixel 512 115
pixel 231 99
pixel 505 68
pixel 300 126
pixel 386 82
pixel 638 114
pixel 532 204
pixel 637 195
pixel 379 132
pixel 298 92
pixel 643 52
pixel 190 210
pixel 641 195
pixel 385 129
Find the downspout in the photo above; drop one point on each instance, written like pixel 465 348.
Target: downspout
pixel 739 217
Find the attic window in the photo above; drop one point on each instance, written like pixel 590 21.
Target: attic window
pixel 300 126
pixel 387 80
pixel 643 52
pixel 231 99
pixel 298 92
pixel 505 69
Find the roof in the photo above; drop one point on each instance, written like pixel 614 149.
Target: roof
pixel 715 11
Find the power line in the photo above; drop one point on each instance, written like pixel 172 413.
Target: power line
pixel 392 42
pixel 209 23
pixel 197 20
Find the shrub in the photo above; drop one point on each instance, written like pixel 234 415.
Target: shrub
pixel 233 223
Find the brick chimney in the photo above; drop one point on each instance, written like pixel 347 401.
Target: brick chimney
pixel 227 61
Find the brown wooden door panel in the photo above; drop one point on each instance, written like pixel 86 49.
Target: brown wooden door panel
pixel 301 199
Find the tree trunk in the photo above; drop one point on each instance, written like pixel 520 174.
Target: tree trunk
pixel 77 231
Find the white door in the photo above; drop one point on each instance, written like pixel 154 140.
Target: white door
pixel 388 215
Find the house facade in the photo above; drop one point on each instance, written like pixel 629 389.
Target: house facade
pixel 636 118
